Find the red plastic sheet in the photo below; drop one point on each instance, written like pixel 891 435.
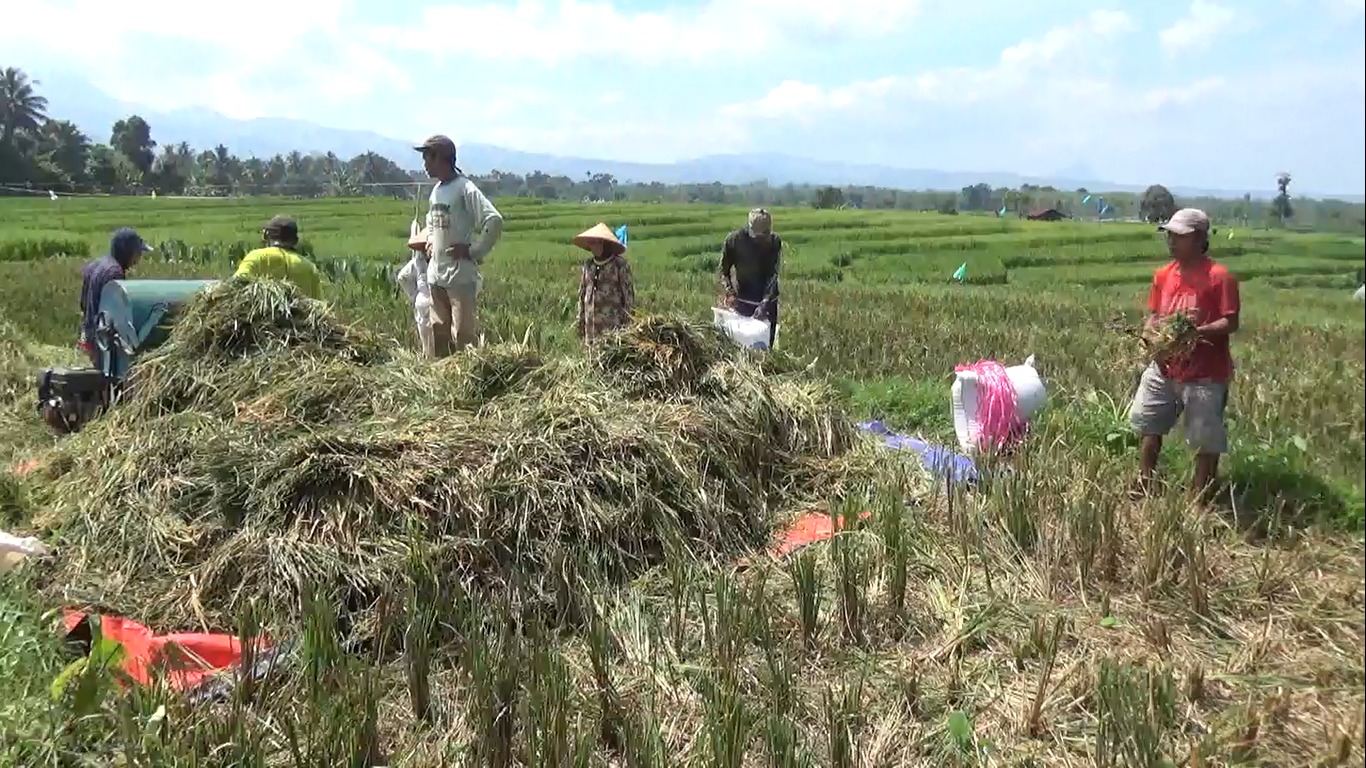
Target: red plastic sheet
pixel 184 659
pixel 807 529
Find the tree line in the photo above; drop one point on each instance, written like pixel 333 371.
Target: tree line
pixel 41 152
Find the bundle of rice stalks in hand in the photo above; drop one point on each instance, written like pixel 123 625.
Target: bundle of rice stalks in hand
pixel 1172 338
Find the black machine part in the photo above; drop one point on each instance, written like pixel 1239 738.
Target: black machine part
pixel 69 397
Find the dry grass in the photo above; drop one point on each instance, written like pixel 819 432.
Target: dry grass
pixel 1042 620
pixel 267 449
pixel 1183 644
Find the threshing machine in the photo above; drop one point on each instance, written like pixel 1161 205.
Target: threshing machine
pixel 135 316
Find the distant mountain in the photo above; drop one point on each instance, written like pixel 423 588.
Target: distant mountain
pixel 95 112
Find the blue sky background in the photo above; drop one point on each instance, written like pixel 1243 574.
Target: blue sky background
pixel 1210 93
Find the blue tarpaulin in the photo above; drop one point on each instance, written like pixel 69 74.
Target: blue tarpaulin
pixel 938 459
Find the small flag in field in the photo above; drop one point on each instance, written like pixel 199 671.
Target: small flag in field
pixel 961 273
pixel 52 194
pixel 1001 212
pixel 1230 234
pixel 621 234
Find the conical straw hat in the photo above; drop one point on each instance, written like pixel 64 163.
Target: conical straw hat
pixel 602 233
pixel 417 237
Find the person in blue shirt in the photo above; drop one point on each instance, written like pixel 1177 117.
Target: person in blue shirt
pixel 125 249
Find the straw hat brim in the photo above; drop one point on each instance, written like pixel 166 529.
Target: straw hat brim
pixel 600 233
pixel 418 242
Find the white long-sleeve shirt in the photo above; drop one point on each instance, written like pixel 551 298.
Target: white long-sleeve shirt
pixel 412 278
pixel 460 214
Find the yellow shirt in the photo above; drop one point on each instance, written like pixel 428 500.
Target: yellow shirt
pixel 276 263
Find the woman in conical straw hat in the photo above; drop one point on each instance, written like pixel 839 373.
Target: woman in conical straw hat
pixel 607 294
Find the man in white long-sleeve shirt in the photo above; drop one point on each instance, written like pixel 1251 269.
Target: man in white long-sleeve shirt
pixel 462 228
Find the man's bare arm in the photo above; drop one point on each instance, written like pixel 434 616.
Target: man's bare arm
pixel 727 263
pixel 1224 326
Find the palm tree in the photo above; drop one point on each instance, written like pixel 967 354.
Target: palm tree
pixel 21 108
pixel 1282 201
pixel 66 147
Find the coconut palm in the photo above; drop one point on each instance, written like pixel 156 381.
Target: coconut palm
pixel 65 147
pixel 21 108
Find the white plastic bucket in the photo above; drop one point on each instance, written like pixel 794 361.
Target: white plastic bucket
pixel 748 332
pixel 1030 397
pixel 1030 393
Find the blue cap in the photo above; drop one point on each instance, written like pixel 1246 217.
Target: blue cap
pixel 126 242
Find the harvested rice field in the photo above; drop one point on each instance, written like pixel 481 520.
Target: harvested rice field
pixel 531 554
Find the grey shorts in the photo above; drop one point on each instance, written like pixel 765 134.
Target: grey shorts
pixel 1160 402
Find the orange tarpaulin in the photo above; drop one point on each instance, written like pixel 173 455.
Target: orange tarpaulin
pixel 184 658
pixel 807 529
pixel 25 467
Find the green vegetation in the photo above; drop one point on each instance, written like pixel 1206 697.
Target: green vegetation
pixel 1044 619
pixel 41 153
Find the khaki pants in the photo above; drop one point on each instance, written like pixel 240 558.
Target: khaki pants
pixel 1160 402
pixel 453 318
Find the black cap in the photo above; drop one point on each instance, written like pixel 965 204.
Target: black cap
pixel 282 228
pixel 126 242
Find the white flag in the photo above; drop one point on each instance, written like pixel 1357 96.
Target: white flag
pixel 52 194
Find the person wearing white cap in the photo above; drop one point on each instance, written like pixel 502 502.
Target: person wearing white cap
pixel 1197 385
pixel 462 228
pixel 753 254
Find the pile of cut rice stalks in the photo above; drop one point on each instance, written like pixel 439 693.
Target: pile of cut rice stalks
pixel 269 450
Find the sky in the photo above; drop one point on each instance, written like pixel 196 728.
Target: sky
pixel 1207 93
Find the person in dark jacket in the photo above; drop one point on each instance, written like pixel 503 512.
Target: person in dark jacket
pixel 749 270
pixel 125 249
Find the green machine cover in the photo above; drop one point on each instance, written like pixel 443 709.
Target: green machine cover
pixel 137 315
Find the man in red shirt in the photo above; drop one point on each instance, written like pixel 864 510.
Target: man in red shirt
pixel 1196 385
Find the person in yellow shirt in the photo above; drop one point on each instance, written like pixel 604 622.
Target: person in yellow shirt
pixel 280 260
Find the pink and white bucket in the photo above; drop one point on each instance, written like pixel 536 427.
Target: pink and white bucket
pixel 992 404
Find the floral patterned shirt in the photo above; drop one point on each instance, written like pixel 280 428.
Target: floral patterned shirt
pixel 607 296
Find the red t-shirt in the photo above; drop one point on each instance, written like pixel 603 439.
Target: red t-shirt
pixel 1207 292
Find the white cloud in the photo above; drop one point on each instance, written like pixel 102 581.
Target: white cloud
pixel 1188 93
pixel 804 102
pixel 1059 42
pixel 103 27
pixel 253 58
pixel 550 32
pixel 1063 48
pixel 1347 9
pixel 1205 23
pixel 1061 98
pixel 1053 100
